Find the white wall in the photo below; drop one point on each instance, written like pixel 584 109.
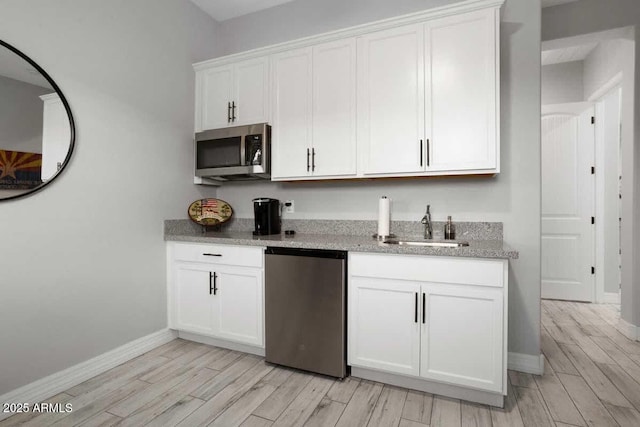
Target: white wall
pixel 82 261
pixel 604 62
pixel 590 16
pixel 512 197
pixel 20 115
pixel 302 18
pixel 562 83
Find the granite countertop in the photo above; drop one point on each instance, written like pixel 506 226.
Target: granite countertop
pixel 478 248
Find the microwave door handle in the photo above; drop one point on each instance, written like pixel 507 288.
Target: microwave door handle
pixel 243 150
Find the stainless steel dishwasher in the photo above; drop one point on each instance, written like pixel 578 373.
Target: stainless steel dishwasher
pixel 305 309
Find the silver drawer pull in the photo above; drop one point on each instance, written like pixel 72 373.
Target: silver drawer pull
pixel 212 254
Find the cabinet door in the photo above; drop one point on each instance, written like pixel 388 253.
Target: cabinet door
pixel 291 138
pixel 334 109
pixel 384 328
pixel 250 92
pixel 462 92
pixel 193 303
pixel 215 93
pixel 391 100
pixel 240 311
pixel 463 335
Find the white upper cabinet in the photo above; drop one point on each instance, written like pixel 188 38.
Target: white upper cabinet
pixel 391 101
pixel 291 133
pixel 334 109
pixel 232 95
pixel 251 94
pixel 314 112
pixel 416 95
pixel 461 75
pixel 214 93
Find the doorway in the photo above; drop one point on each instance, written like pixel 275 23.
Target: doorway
pixel 581 173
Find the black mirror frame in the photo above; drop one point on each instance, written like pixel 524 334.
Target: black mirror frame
pixel 69 115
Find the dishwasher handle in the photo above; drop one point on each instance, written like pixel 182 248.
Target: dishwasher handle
pixel 313 253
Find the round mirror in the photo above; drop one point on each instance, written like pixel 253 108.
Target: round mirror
pixel 36 127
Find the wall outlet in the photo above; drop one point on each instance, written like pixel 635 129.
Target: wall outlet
pixel 289 207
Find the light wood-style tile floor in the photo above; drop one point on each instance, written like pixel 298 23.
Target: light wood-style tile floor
pixel 592 378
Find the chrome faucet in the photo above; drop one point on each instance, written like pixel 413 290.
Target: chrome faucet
pixel 426 220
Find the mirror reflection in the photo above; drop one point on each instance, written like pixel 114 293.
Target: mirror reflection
pixel 35 130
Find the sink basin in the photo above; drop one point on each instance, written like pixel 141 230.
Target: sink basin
pixel 426 243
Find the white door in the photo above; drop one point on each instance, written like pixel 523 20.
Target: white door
pixel 391 100
pixel 384 328
pixel 462 335
pixel 461 92
pixel 250 92
pixel 194 301
pixel 215 87
pixel 291 134
pixel 567 245
pixel 240 315
pixel 334 109
pixel 56 135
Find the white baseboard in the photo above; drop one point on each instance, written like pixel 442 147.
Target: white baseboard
pixel 527 363
pixel 456 392
pixel 628 330
pixel 217 342
pixel 56 383
pixel 611 298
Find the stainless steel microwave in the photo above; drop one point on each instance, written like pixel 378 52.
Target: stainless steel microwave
pixel 234 153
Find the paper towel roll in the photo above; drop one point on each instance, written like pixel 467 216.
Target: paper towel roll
pixel 383 216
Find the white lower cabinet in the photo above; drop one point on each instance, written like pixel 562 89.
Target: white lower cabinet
pixel 222 297
pixel 462 335
pixel 437 318
pixel 384 332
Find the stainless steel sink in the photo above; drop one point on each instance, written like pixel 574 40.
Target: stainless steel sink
pixel 425 243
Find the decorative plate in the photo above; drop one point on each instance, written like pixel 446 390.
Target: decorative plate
pixel 210 211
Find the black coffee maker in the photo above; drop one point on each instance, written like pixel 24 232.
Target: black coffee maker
pixel 266 213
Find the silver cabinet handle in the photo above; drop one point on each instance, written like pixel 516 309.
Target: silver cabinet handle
pixel 421 151
pixel 233 111
pixel 308 154
pixel 208 254
pixel 428 157
pixel 313 159
pixel 228 112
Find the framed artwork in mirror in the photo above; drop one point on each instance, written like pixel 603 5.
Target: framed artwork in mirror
pixel 20 171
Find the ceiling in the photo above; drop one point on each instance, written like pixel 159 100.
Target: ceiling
pixel 221 10
pixel 548 3
pixel 567 54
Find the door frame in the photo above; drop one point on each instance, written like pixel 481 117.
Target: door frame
pixel 611 86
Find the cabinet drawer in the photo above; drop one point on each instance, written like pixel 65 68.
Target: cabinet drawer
pixel 219 254
pixel 467 271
